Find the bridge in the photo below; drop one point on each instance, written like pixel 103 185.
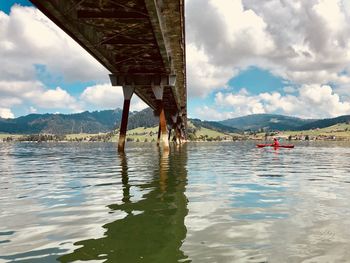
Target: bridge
pixel 141 43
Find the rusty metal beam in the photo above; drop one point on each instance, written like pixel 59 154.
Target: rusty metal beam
pixel 163 127
pixel 128 91
pixel 123 126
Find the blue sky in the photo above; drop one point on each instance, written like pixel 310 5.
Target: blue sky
pixel 242 58
pixel 6 5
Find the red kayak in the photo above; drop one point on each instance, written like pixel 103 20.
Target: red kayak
pixel 275 146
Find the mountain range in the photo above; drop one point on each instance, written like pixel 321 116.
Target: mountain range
pixel 108 120
pixel 269 122
pixel 85 122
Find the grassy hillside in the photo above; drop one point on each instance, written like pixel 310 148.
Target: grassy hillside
pixel 142 134
pixel 143 126
pixel 257 122
pixel 198 132
pixel 340 131
pixel 150 134
pixel 85 122
pixel 326 123
pixel 209 133
pixel 108 120
pixel 213 125
pixel 3 136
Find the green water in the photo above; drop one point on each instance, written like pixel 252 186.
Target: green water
pixel 202 202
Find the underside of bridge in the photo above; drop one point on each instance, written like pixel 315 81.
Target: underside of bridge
pixel 142 44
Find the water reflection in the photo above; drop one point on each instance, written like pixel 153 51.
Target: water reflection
pixel 125 177
pixel 153 229
pixel 258 205
pixel 80 202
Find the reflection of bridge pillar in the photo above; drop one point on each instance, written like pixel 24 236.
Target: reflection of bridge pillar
pixel 163 171
pixel 125 178
pixel 153 229
pixel 174 118
pixel 169 133
pixel 158 93
pixel 159 132
pixel 179 133
pixel 128 91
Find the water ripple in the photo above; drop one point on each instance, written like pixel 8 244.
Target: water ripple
pixel 202 202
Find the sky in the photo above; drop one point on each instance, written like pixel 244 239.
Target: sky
pixel 243 57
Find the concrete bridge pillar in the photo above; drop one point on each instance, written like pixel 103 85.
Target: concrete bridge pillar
pixel 128 92
pixel 163 134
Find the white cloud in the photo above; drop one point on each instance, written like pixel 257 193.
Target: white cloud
pixel 322 101
pixel 208 113
pixel 312 101
pixel 311 38
pixel 137 104
pixel 6 113
pixel 330 12
pixel 17 92
pixel 6 101
pixel 203 77
pixel 55 98
pixel 27 38
pixel 103 95
pixel 32 110
pixel 107 96
pixel 246 32
pixel 242 103
pixel 289 89
pixel 222 37
pixel 305 42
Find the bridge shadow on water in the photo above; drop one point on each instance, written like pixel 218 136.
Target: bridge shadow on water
pixel 153 229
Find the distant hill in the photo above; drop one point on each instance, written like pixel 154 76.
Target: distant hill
pixel 108 120
pixel 144 118
pixel 266 121
pixel 213 125
pixel 325 123
pixel 85 122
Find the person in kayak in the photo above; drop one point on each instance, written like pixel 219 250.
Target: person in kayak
pixel 275 142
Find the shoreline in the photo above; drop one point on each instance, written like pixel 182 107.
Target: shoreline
pixel 191 141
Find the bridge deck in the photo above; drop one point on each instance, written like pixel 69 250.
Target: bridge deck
pixel 139 41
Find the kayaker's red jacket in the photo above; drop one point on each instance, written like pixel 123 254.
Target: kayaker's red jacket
pixel 276 142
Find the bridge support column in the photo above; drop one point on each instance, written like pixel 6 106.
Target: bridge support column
pixel 158 93
pixel 182 127
pixel 128 92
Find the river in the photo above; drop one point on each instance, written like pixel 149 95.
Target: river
pixel 202 202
